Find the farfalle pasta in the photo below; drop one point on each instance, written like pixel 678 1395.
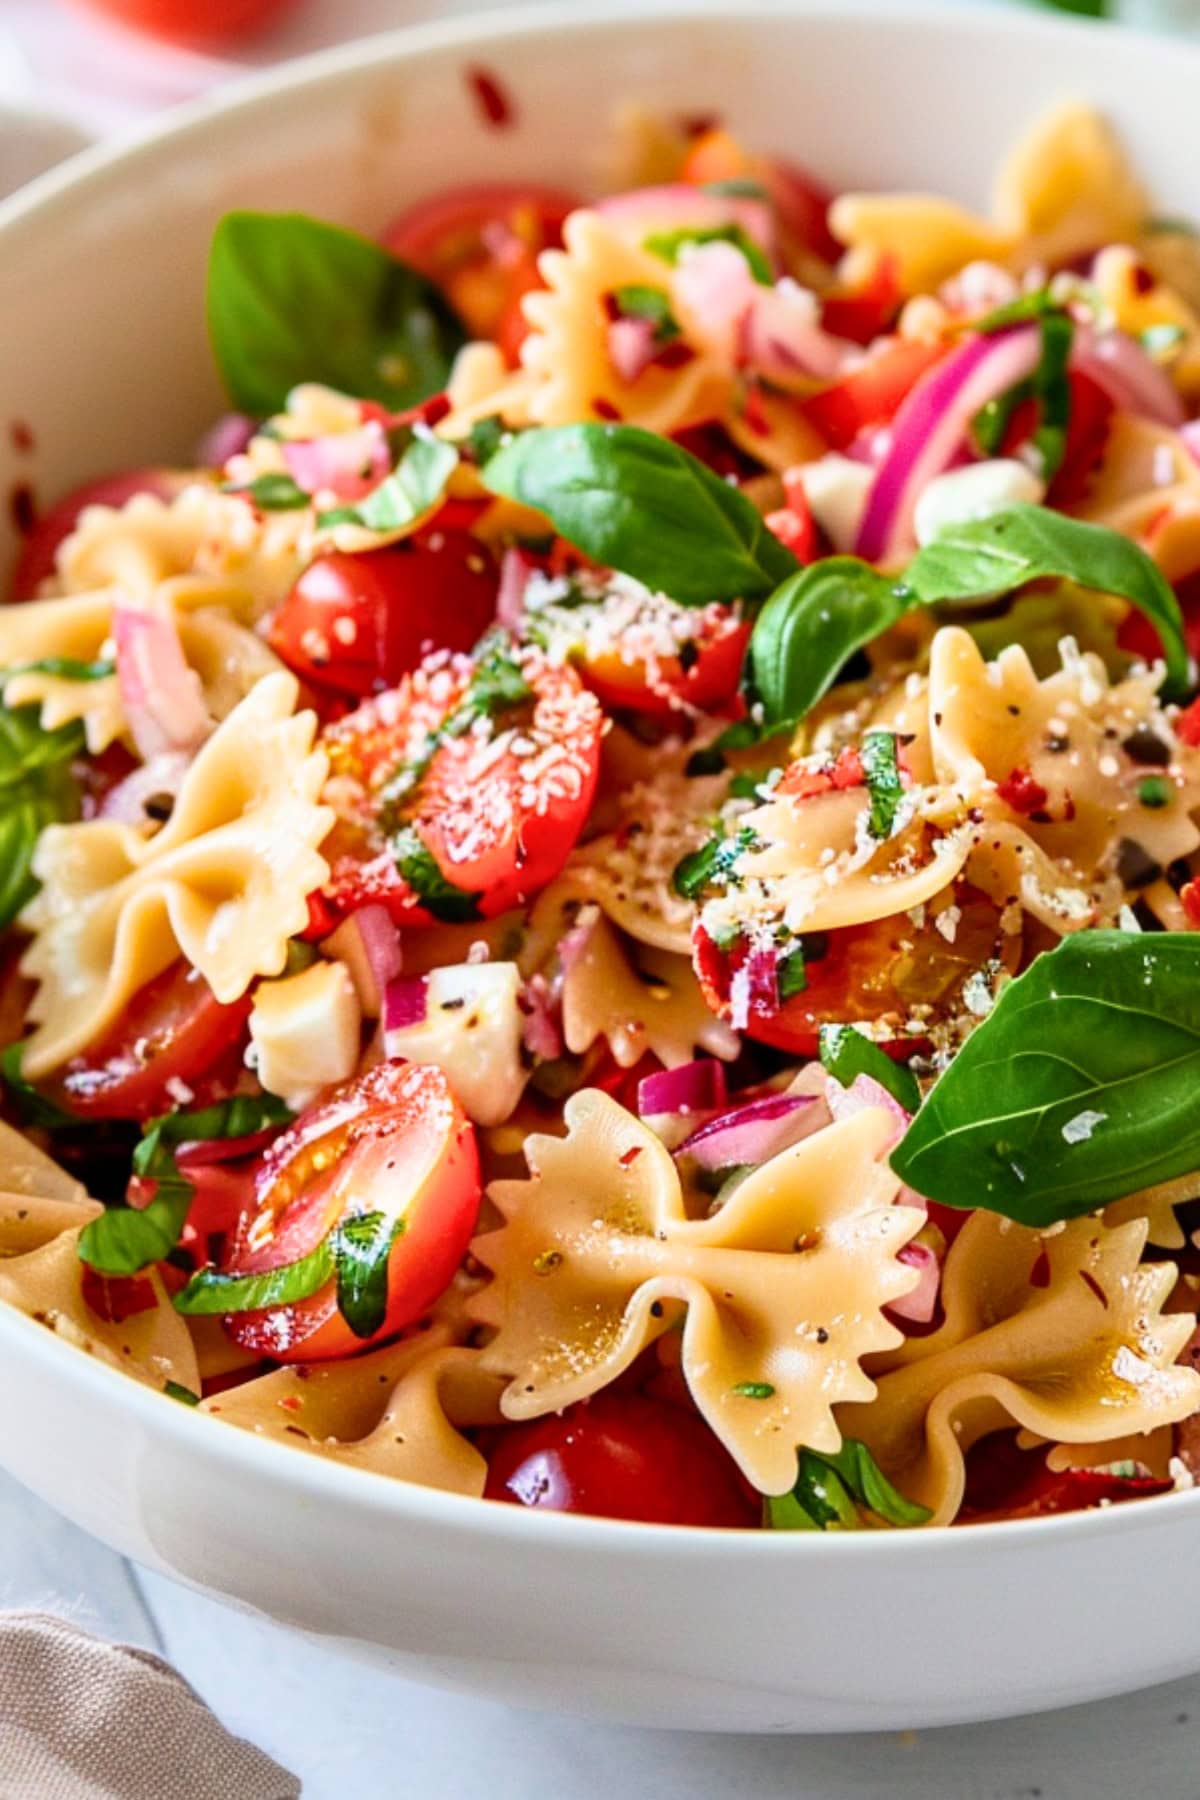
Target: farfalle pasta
pixel 603 901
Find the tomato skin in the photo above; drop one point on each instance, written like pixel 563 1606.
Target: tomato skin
pixel 174 1030
pixel 623 1456
pixel 1138 637
pixel 870 394
pixel 185 22
pixel 480 243
pixel 1006 1482
pixel 391 606
pixel 36 561
pixel 394 1140
pixel 707 684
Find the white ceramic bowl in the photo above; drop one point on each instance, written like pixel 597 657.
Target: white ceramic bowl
pixel 102 351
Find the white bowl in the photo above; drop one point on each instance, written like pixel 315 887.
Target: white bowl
pixel 102 351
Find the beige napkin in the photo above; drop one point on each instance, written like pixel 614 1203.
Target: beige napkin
pixel 84 1720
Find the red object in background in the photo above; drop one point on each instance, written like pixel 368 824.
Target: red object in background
pixel 1138 637
pixel 1006 1482
pixel 194 22
pixel 47 532
pixel 623 1456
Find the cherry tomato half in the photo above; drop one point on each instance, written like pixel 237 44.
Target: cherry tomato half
pixel 492 809
pixel 1006 1482
pixel 193 21
pixel 173 1032
pixel 481 243
pixel 870 394
pixel 395 1141
pixel 358 623
pixel 623 1456
pixel 36 560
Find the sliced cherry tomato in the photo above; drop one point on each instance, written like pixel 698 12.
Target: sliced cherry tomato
pixel 486 797
pixel 706 680
pixel 115 1298
pixel 793 524
pixel 36 561
pixel 866 973
pixel 623 1456
pixel 174 1033
pixel 865 313
pixel 185 22
pixel 393 1141
pixel 1006 1482
pixel 871 394
pixel 481 243
pixel 358 623
pixel 1137 636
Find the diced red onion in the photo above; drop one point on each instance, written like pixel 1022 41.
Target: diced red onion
pixel 1132 380
pixel 676 206
pixel 864 1091
pixel 228 437
pixel 162 775
pixel 1190 433
pixel 540 1033
pixel 776 331
pixel 369 945
pixel 756 1132
pixel 516 570
pixel 920 1305
pixel 631 346
pixel 405 1002
pixel 931 428
pixel 162 697
pixel 691 1088
pixel 346 463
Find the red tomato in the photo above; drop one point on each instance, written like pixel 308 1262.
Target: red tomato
pixel 481 243
pixel 496 808
pixel 358 623
pixel 863 314
pixel 867 972
pixel 801 202
pixel 36 560
pixel 703 673
pixel 396 1141
pixel 193 21
pixel 871 394
pixel 1137 636
pixel 174 1030
pixel 1087 434
pixel 1006 1482
pixel 623 1456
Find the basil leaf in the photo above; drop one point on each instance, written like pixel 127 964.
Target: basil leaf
pixel 635 501
pixel 360 1257
pixel 637 301
pixel 211 1292
pixel 713 861
pixel 1024 543
pixel 293 299
pixel 36 789
pixel 809 628
pixel 830 1488
pixel 243 1116
pixel 1026 307
pixel 175 1390
pixel 486 436
pixel 668 245
pixel 1077 1089
pixel 870 1486
pixel 34 1108
pixel 416 862
pixel 414 485
pixel 68 668
pixel 791 975
pixel 274 492
pixel 846 1053
pixel 880 758
pixel 125 1239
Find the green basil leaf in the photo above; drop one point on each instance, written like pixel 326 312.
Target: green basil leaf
pixel 34 1107
pixel 486 436
pixel 809 628
pixel 175 1390
pixel 635 501
pixel 846 1053
pixel 416 862
pixel 414 485
pixel 830 1488
pixel 363 1246
pixel 293 299
pixel 274 492
pixel 242 1116
pixel 880 757
pixel 1026 307
pixel 1077 1089
pixel 713 861
pixel 1052 391
pixel 993 556
pixel 36 789
pixel 791 975
pixel 211 1292
pixel 668 245
pixel 67 668
pixel 125 1239
pixel 871 1487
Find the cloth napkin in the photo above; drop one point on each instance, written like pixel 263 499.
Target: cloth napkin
pixel 81 1719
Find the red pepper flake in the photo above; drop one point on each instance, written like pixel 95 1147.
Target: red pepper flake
pixel 676 355
pixel 20 436
pixel 493 99
pixel 1091 1281
pixel 291 1402
pixel 845 771
pixel 1187 726
pixel 1190 896
pixel 1141 278
pixel 1039 1275
pixel 1020 791
pixel 604 408
pixel 22 507
pixel 631 1155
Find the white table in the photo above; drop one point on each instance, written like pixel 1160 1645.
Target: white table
pixel 347 1730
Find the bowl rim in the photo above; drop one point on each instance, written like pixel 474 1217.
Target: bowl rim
pixel 325 1478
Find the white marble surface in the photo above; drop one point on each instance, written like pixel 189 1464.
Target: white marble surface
pixel 346 1730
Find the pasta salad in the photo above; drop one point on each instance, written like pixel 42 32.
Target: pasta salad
pixel 601 903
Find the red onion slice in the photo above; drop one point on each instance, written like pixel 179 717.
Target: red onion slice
pixel 1190 433
pixel 631 346
pixel 347 464
pixel 516 570
pixel 1132 380
pixel 920 1305
pixel 369 945
pixel 405 1003
pixel 647 212
pixel 161 776
pixel 931 428
pixel 864 1091
pixel 756 1132
pixel 691 1088
pixel 162 696
pixel 228 437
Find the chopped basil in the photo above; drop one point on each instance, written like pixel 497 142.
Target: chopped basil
pixel 1154 791
pixel 669 244
pixel 1078 1088
pixel 37 789
pixel 753 1390
pixel 637 301
pixel 175 1390
pixel 830 1489
pixel 212 1292
pixel 275 492
pixel 415 861
pixel 243 1116
pixel 66 668
pixel 846 1053
pixel 293 299
pixel 125 1239
pixel 34 1107
pixel 711 863
pixel 361 1258
pixel 791 974
pixel 485 437
pixel 355 1254
pixel 413 487
pixel 1040 304
pixel 881 769
pixel 635 501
